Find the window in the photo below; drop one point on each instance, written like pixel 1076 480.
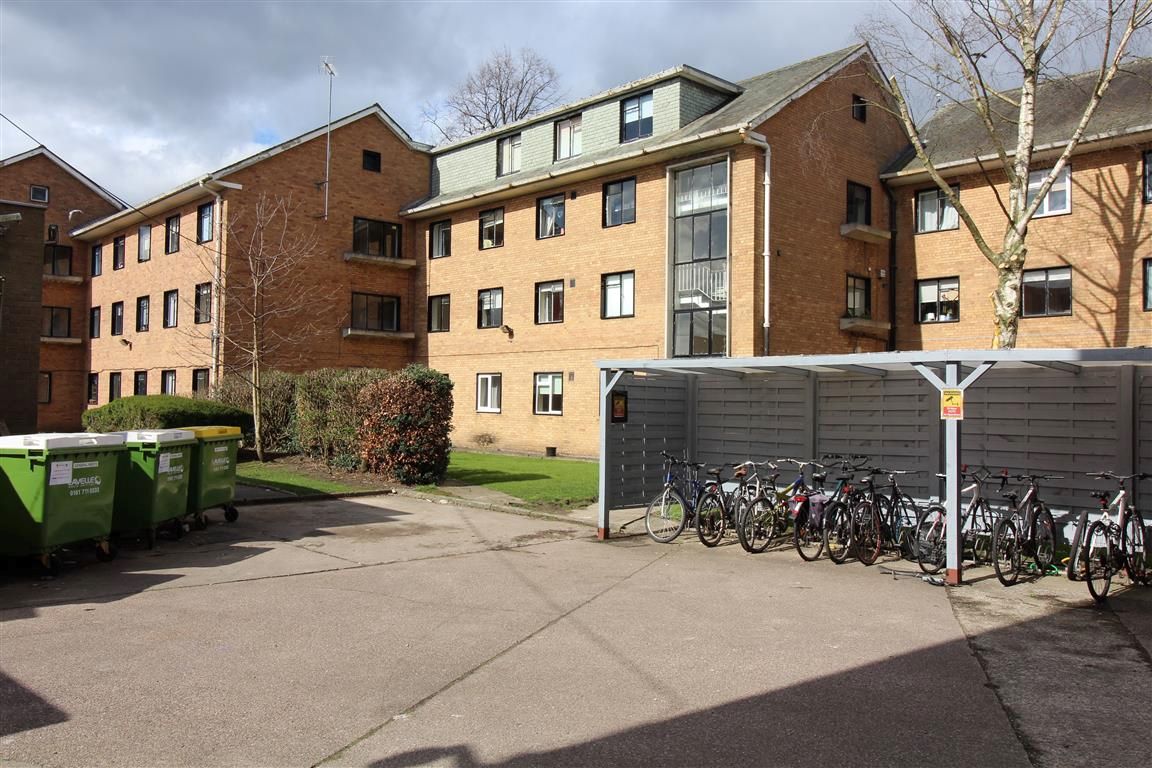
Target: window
pixel 44 395
pixel 550 217
pixel 439 313
pixel 113 386
pixel 620 203
pixel 57 259
pixel 144 243
pixel 117 318
pixel 859 204
pixel 140 383
pixel 440 239
pixel 168 382
pixel 1047 292
pixel 171 308
pixel 1058 199
pixel 549 394
pixel 118 252
pixel 38 193
pixel 199 380
pixel 700 256
pixel 508 155
pixel 172 234
pixel 204 223
pixel 938 301
pixel 859 297
pixel 1148 176
pixel 93 387
pixel 616 294
pixel 636 117
pixel 490 308
pixel 376 238
pixel 56 322
pixel 371 312
pixel 550 302
pixel 371 161
pixel 934 212
pixel 203 307
pixel 488 392
pixel 568 140
pixel 97 260
pixel 859 108
pixel 1148 285
pixel 53 233
pixel 492 228
pixel 94 323
pixel 142 313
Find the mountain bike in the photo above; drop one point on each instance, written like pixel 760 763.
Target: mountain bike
pixel 721 508
pixel 1027 530
pixel 977 521
pixel 674 508
pixel 882 521
pixel 1109 547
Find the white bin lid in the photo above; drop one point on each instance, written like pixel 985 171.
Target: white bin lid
pixel 55 441
pixel 158 436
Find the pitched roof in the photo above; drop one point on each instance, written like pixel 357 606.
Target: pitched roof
pixel 955 135
pixel 758 99
pixel 42 150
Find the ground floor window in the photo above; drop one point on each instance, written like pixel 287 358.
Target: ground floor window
pixel 1047 292
pixel 140 383
pixel 168 382
pixel 488 392
pixel 114 386
pixel 859 297
pixel 371 312
pixel 938 301
pixel 200 380
pixel 1148 285
pixel 549 394
pixel 93 387
pixel 45 391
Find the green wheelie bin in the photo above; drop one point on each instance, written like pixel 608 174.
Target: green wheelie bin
pixel 57 489
pixel 152 485
pixel 213 480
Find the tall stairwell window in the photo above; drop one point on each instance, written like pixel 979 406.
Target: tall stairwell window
pixel 700 261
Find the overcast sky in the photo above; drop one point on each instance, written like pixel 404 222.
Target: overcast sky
pixel 142 96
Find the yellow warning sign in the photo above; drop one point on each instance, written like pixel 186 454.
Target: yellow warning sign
pixel 951 404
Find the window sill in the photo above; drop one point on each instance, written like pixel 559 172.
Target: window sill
pixel 69 279
pixel 386 261
pixel 360 333
pixel 865 326
pixel 61 340
pixel 865 233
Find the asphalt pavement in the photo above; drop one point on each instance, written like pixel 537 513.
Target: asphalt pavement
pixel 401 631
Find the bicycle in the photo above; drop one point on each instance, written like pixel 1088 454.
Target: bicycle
pixel 836 522
pixel 671 511
pixel 765 518
pixel 1110 547
pixel 882 522
pixel 1028 529
pixel 721 509
pixel 931 538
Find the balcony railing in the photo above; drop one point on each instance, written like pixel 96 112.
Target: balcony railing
pixel 701 283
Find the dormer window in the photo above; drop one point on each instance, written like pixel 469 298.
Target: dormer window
pixel 508 155
pixel 568 139
pixel 636 118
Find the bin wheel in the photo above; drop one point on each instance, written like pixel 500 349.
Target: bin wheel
pixel 177 529
pixel 231 513
pixel 199 522
pixel 50 565
pixel 150 538
pixel 105 550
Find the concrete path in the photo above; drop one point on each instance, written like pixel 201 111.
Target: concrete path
pixel 394 631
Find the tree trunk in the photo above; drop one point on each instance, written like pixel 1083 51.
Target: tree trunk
pixel 1006 302
pixel 257 421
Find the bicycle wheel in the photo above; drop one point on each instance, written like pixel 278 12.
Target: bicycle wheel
pixel 1043 538
pixel 1135 548
pixel 838 531
pixel 666 516
pixel 1006 551
pixel 906 517
pixel 1097 559
pixel 931 539
pixel 710 519
pixel 756 526
pixel 1075 570
pixel 868 531
pixel 807 536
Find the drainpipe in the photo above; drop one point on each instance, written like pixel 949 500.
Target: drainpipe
pixel 217 188
pixel 891 266
pixel 758 140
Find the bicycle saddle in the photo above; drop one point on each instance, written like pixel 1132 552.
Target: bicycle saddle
pixel 819 477
pixel 715 471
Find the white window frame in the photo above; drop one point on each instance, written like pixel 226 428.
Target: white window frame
pixel 440 239
pixel 546 302
pixel 489 387
pixel 945 214
pixel 494 303
pixel 171 308
pixel 1063 183
pixel 508 154
pixel 34 197
pixel 618 298
pixel 550 216
pixel 569 139
pixel 168 382
pixel 640 105
pixel 551 386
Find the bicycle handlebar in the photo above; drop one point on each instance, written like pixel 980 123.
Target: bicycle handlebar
pixel 1109 475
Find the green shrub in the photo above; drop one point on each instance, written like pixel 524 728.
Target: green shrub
pixel 327 413
pixel 404 431
pixel 164 412
pixel 278 406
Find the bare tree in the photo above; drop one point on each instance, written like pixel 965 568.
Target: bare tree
pixel 990 57
pixel 502 90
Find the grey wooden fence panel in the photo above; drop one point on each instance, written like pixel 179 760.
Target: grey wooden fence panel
pixel 656 422
pixel 1143 447
pixel 755 418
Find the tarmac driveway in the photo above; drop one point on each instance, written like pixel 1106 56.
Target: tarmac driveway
pixel 392 631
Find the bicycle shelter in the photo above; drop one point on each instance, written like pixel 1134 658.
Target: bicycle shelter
pixel 1043 411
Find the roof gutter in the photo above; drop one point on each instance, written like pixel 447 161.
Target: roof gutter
pixel 759 140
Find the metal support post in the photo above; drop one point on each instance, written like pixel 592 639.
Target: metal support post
pixel 606 386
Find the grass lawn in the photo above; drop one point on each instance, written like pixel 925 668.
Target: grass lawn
pixel 290 480
pixel 535 480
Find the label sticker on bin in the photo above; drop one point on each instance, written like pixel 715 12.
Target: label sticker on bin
pixel 60 473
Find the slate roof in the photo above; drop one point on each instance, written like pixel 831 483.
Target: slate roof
pixel 955 134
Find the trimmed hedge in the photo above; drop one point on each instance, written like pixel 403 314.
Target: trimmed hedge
pixel 164 412
pixel 405 425
pixel 278 404
pixel 328 415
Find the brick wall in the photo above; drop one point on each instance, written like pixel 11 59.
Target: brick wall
pixel 21 252
pixel 1104 240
